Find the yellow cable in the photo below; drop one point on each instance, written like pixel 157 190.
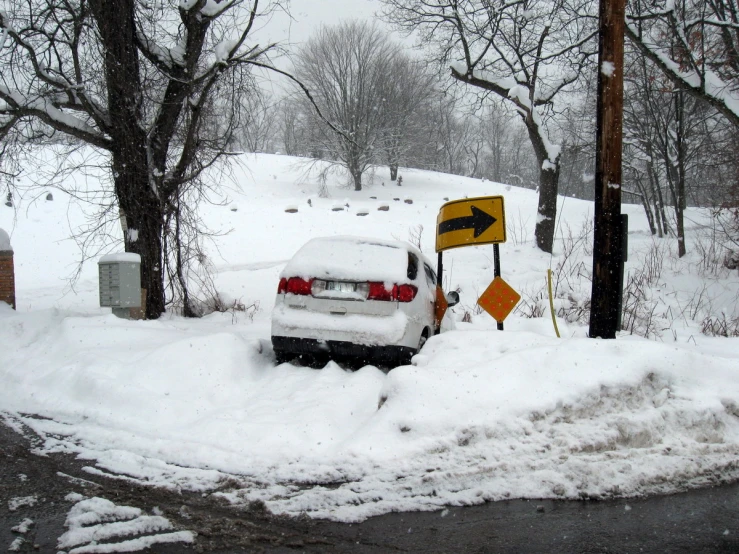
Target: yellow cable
pixel 551 302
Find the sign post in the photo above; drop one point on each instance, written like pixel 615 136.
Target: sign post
pixel 472 222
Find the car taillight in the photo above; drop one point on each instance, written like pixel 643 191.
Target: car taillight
pixel 295 285
pixel 401 293
pixel 378 291
pixel 406 293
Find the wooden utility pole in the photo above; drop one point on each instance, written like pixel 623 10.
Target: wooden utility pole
pixel 608 253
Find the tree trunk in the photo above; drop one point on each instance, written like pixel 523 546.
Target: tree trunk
pixel 661 201
pixel 659 213
pixel 644 197
pixel 650 216
pixel 356 177
pixel 115 22
pixel 680 202
pixel 144 237
pixel 547 212
pixel 546 215
pixel 187 306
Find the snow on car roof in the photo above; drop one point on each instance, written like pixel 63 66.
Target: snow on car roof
pixel 352 258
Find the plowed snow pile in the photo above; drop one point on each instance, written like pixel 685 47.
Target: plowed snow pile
pixel 480 415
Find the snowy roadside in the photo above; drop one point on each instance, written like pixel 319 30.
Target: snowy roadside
pixel 200 405
pixel 480 416
pixel 700 521
pixel 48 503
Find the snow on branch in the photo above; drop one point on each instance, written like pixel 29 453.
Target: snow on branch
pixel 16 105
pixel 692 44
pixel 208 8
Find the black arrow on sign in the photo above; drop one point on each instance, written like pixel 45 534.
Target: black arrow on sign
pixel 479 221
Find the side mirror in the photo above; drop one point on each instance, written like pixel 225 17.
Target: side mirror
pixel 452 298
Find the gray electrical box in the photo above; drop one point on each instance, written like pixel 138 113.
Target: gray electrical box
pixel 120 280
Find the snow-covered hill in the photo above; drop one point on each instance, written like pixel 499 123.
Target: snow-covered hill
pixel 480 415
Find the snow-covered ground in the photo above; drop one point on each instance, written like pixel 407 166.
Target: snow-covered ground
pixel 480 415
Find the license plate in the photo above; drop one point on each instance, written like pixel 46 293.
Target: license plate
pixel 341 286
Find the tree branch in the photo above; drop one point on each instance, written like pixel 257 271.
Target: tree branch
pixel 680 80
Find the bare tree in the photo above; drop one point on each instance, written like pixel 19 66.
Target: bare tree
pixel 449 134
pixel 672 139
pixel 526 52
pixel 258 125
pixel 409 87
pixel 695 43
pixel 290 128
pixel 367 89
pixel 508 157
pixel 142 83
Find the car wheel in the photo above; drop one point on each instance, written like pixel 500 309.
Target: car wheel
pixel 282 356
pixel 424 338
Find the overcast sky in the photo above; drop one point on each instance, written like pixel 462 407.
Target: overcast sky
pixel 308 15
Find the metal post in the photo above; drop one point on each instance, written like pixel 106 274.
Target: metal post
pixel 607 250
pixel 439 281
pixel 624 259
pixel 496 271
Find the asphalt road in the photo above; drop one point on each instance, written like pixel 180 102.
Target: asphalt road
pixel 705 520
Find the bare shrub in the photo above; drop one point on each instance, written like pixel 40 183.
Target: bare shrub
pixel 709 257
pixel 720 326
pixel 647 308
pixel 638 309
pixel 575 310
pixel 586 231
pixel 699 303
pixel 467 310
pixel 532 304
pixel 654 262
pixel 414 236
pixel 219 302
pixel 323 190
pixel 569 271
pixel 517 231
pixel 711 252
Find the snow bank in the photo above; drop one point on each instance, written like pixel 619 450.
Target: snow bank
pixel 481 415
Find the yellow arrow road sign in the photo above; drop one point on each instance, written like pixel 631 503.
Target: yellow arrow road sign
pixel 470 221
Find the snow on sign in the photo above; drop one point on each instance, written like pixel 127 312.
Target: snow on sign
pixel 470 221
pixel 499 299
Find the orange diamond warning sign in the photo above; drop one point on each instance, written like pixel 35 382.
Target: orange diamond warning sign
pixel 499 299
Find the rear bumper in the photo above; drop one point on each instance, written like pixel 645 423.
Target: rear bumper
pixel 396 328
pixel 339 350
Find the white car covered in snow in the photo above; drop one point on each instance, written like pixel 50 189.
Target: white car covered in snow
pixel 365 299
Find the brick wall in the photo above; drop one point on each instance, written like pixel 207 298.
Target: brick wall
pixel 7 278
